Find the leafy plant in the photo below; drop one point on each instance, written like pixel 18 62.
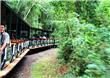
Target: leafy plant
pixel 83 30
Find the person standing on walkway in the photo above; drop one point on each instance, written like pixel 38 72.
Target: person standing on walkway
pixel 4 41
pixel 4 38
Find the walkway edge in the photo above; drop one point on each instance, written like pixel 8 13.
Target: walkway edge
pixel 13 64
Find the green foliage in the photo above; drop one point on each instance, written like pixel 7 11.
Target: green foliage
pixel 67 75
pixel 83 46
pixel 84 51
pixel 28 10
pixel 86 9
pixel 103 13
pixel 83 30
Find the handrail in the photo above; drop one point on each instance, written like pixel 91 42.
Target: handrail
pixel 18 46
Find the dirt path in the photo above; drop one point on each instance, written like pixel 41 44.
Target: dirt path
pixel 22 70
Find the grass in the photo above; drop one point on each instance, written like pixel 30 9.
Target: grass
pixel 44 68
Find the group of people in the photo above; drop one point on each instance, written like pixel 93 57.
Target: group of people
pixel 4 40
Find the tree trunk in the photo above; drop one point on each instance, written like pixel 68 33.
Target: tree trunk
pixel 29 11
